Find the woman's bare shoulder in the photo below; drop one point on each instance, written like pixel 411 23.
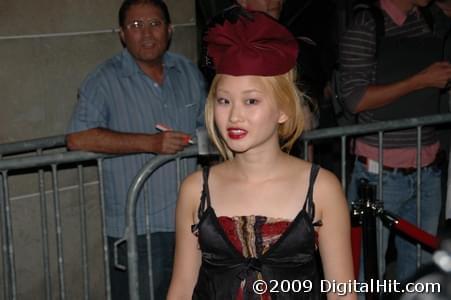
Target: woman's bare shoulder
pixel 191 186
pixel 298 166
pixel 193 178
pixel 328 193
pixel 327 181
pixel 304 167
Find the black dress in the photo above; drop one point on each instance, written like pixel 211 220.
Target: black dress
pixel 290 258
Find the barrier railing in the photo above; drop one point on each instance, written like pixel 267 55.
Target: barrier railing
pixel 43 162
pixel 130 231
pixel 49 155
pixel 37 161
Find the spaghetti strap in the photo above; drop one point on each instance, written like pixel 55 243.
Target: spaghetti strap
pixel 205 196
pixel 309 206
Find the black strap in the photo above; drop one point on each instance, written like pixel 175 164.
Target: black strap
pixel 309 206
pixel 205 196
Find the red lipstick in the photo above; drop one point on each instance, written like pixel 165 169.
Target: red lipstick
pixel 236 133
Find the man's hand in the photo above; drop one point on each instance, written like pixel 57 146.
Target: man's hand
pixel 170 142
pixel 436 75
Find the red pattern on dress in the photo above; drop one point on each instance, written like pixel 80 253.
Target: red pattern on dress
pixel 269 233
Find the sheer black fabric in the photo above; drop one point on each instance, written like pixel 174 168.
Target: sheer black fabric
pixel 290 258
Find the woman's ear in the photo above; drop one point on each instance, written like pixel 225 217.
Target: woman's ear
pixel 282 117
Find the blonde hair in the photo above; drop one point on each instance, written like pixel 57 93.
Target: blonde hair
pixel 288 99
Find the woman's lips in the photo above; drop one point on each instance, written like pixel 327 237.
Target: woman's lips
pixel 236 133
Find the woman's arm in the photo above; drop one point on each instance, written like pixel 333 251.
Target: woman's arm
pixel 334 236
pixel 187 254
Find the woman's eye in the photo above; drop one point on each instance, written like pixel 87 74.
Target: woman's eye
pixel 251 101
pixel 222 101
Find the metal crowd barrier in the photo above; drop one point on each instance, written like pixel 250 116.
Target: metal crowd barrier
pixel 37 157
pixel 130 236
pixel 49 155
pixel 43 160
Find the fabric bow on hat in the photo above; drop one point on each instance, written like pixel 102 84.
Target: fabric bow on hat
pixel 252 46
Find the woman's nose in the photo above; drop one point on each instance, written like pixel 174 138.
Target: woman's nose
pixel 235 114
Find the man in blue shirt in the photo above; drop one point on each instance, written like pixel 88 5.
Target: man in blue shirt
pixel 119 105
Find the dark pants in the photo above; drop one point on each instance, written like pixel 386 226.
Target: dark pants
pixel 162 260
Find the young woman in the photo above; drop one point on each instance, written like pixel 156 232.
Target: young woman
pixel 248 228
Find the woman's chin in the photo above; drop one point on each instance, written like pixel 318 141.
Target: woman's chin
pixel 237 149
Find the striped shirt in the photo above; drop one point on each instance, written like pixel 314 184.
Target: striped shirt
pixel 120 97
pixel 358 68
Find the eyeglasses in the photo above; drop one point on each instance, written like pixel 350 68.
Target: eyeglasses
pixel 140 24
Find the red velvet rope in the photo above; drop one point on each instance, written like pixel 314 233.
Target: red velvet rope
pixel 401 225
pixel 417 234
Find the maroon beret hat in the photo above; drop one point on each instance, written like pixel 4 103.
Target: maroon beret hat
pixel 252 45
